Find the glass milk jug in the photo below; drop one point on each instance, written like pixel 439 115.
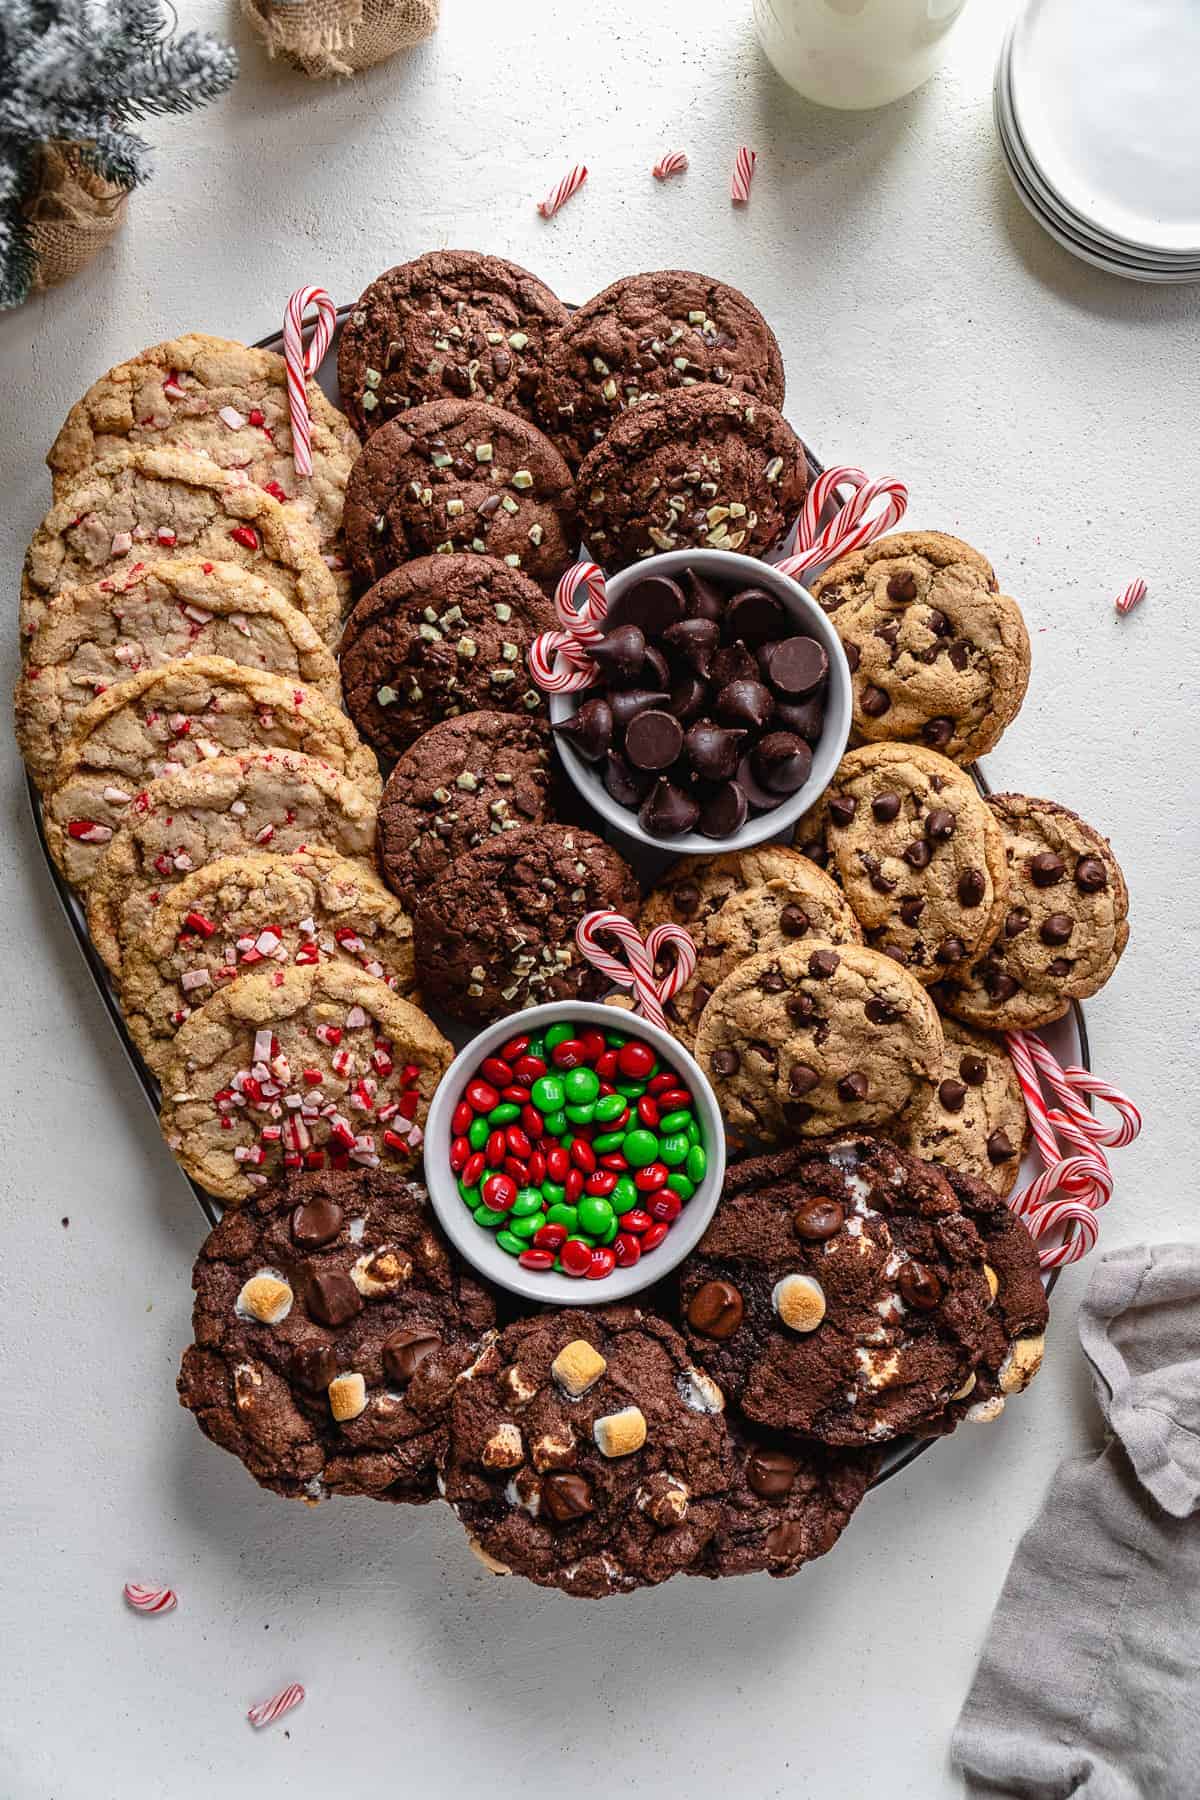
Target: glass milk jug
pixel 854 53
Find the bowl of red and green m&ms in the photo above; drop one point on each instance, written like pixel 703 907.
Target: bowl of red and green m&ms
pixel 574 1153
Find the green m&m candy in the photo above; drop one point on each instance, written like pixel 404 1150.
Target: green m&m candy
pixel 595 1214
pixel 553 1192
pixel 547 1093
pixel 472 1195
pixel 562 1214
pixel 580 1115
pixel 559 1034
pixel 505 1113
pixel 640 1148
pixel 680 1185
pixel 625 1195
pixel 477 1134
pixel 525 1227
pixel 528 1201
pixel 507 1240
pixel 556 1123
pixel 675 1121
pixel 697 1163
pixel 606 1141
pixel 609 1107
pixel 488 1218
pixel 674 1148
pixel 693 1131
pixel 582 1086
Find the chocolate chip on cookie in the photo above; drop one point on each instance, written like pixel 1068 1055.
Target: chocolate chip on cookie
pixel 855 1332
pixel 788 1503
pixel 699 467
pixel 976 1123
pixel 652 334
pixel 436 638
pixel 460 477
pixel 331 1318
pixel 451 325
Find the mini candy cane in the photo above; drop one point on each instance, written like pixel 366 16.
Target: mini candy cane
pixel 673 163
pixel 637 970
pixel 743 175
pixel 301 363
pixel 1133 596
pixel 150 1599
pixel 267 1711
pixel 558 196
pixel 850 528
pixel 558 660
pixel 1030 1052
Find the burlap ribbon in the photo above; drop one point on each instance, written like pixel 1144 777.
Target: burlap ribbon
pixel 72 213
pixel 338 37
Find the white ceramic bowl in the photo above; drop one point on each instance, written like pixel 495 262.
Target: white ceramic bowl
pixel 478 1245
pixel 734 571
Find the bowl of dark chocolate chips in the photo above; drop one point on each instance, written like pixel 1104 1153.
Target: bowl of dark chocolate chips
pixel 721 707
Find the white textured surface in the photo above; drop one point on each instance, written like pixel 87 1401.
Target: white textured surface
pixel 1046 412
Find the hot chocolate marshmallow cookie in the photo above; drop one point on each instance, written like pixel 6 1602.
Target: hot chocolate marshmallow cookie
pixel 839 1291
pixel 937 653
pixel 701 467
pixel 460 477
pixel 141 506
pixel 169 718
pixel 451 325
pixel 1014 1336
pixel 331 1318
pixel 242 912
pixel 93 636
pixel 976 1123
pixel 1065 923
pixel 815 1037
pixel 651 334
pixel 587 1453
pixel 738 906
pixel 314 1067
pixel 919 856
pixel 277 800
pixel 788 1503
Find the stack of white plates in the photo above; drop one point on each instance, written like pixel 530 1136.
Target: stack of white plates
pixel 1099 118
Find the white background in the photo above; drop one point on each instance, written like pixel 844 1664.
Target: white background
pixel 1047 413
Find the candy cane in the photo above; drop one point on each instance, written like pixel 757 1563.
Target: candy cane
pixel 673 163
pixel 851 527
pixel 150 1599
pixel 558 660
pixel 301 363
pixel 1133 596
pixel 267 1711
pixel 743 175
pixel 636 972
pixel 558 196
pixel 1068 1083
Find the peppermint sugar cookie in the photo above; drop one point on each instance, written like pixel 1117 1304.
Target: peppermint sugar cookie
pixel 242 912
pixel 93 636
pixel 168 718
pixel 140 506
pixel 315 1067
pixel 258 800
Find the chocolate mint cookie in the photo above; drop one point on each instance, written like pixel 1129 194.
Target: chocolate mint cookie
pixel 586 1453
pixel 1064 927
pixel 450 325
pixel 788 1503
pixel 458 476
pixel 936 653
pixel 463 782
pixel 907 836
pixel 497 931
pixel 331 1318
pixel 839 1291
pixel 701 467
pixel 651 334
pixel 814 1037
pixel 976 1123
pixel 438 637
pixel 1014 1334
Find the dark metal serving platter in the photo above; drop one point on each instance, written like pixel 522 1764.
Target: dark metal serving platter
pixel 1067 1038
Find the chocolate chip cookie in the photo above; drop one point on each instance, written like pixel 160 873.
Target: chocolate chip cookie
pixel 450 325
pixel 260 799
pixel 460 477
pixel 814 1037
pixel 141 506
pixel 976 1123
pixel 1064 926
pixel 497 931
pixel 700 467
pixel 93 636
pixel 316 1067
pixel 169 718
pixel 788 1503
pixel 738 906
pixel 439 637
pixel 1014 1335
pixel 586 1453
pixel 839 1291
pixel 467 780
pixel 651 334
pixel 908 838
pixel 936 652
pixel 331 1318
pixel 243 912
